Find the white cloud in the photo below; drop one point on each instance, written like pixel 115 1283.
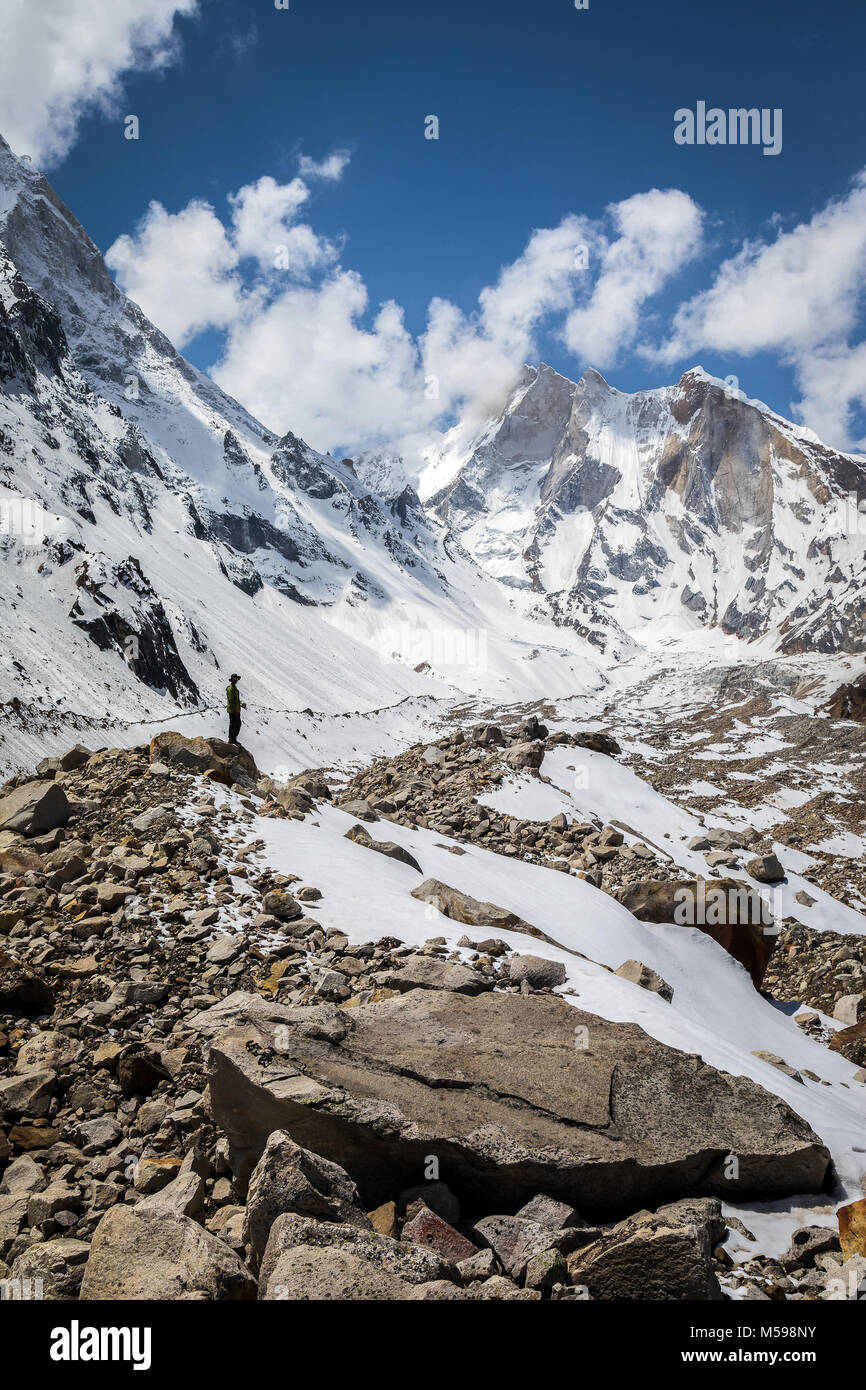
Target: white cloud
pixel 263 227
pixel 796 292
pixel 61 58
pixel 800 297
pixel 303 352
pixel 305 362
pixel 330 168
pixel 475 359
pixel 832 385
pixel 660 232
pixel 181 269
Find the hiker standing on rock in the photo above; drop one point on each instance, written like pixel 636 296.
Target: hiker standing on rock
pixel 234 705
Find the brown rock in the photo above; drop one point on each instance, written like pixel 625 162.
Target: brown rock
pixel 852 1228
pixel 725 909
pixel 428 1229
pixel 386 847
pixel 33 808
pixel 384 1219
pixel 460 907
pixel 135 1255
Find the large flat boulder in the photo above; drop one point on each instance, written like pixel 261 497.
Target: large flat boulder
pixel 515 1095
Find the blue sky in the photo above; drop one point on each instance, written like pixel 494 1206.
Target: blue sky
pixel 546 114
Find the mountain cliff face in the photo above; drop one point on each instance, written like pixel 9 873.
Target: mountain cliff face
pixel 662 513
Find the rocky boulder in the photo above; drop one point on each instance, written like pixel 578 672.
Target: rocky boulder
pixel 22 990
pixel 322 1273
pixel 194 754
pixel 525 756
pixel 386 847
pixel 640 974
pixel 426 972
pixel 662 1256
pixel 17 859
pixel 851 1042
pixel 229 762
pixel 300 1253
pixel 518 1094
pixel 47 1049
pixel 766 868
pixel 34 808
pixel 536 971
pixel 73 758
pixel 726 909
pixel 288 1178
pixel 139 1255
pixel 597 743
pixel 460 907
pixel 59 1264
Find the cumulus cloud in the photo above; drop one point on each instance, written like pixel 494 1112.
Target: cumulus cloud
pixel 304 348
pixel 474 359
pixel 833 384
pixel 659 233
pixel 309 361
pixel 798 296
pixel 181 269
pixel 61 58
pixel 306 362
pixel 263 221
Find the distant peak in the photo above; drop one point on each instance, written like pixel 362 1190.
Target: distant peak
pixel 592 377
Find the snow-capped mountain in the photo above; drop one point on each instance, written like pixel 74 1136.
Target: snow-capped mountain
pixel 665 513
pixel 154 535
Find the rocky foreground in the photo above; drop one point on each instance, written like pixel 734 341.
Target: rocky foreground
pixel 206 1095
